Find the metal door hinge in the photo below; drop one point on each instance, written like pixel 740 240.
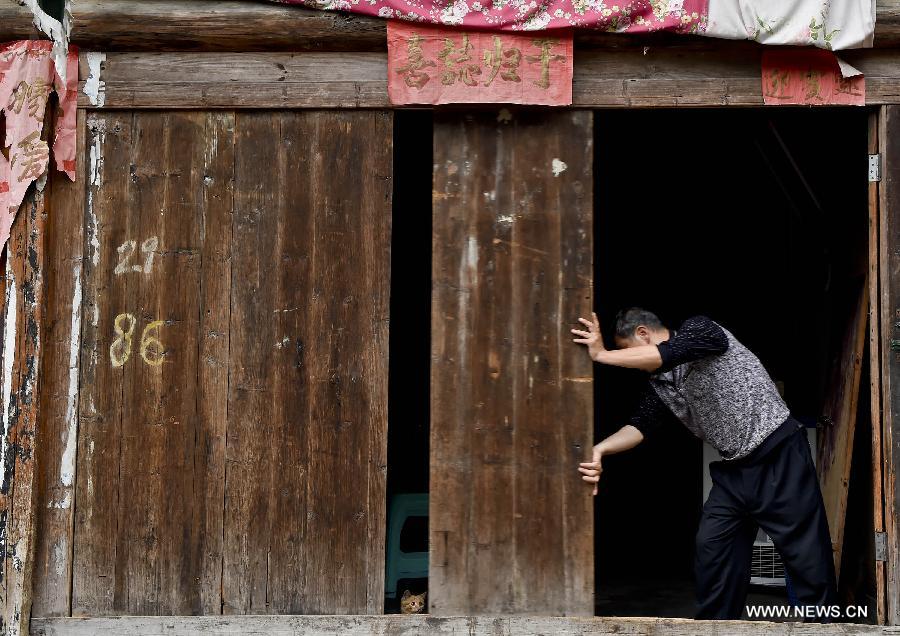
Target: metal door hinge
pixel 874 167
pixel 880 546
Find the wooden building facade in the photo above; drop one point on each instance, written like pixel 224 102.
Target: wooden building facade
pixel 196 331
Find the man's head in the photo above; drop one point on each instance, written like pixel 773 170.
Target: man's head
pixel 636 327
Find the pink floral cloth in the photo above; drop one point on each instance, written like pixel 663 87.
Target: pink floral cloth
pixel 27 77
pixel 632 16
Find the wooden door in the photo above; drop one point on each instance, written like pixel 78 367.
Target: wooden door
pixel 224 330
pixel 511 524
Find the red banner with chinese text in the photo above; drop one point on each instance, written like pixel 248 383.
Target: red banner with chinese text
pixel 809 77
pixel 27 77
pixel 431 65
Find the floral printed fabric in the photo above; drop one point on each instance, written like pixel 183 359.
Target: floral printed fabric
pixel 842 25
pixel 633 16
pixel 827 24
pixel 27 77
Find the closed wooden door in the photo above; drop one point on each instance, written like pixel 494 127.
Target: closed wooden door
pixel 228 311
pixel 511 524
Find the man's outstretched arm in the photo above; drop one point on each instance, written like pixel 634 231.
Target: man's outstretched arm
pixel 624 439
pixel 646 357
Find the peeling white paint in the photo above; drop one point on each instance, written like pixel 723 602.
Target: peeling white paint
pixel 283 343
pixel 558 166
pixel 471 259
pixel 67 464
pixel 94 86
pixel 95 179
pixel 9 355
pixel 65 504
pixel 54 29
pixel 60 556
pixel 508 219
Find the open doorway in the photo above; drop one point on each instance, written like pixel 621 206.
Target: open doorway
pixel 757 219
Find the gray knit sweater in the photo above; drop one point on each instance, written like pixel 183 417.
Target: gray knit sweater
pixel 715 386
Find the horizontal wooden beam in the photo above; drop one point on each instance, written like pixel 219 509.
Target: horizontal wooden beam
pixel 674 76
pixel 424 624
pixel 16 22
pixel 248 25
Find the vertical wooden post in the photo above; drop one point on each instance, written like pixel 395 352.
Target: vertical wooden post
pixel 19 378
pixel 889 256
pixel 511 523
pixel 875 373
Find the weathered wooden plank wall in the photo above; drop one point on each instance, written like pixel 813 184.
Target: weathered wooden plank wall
pixel 889 213
pixel 676 75
pixel 511 413
pixel 230 371
pixel 59 375
pixel 305 501
pixel 22 305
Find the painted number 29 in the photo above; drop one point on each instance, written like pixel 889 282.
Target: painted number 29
pixel 126 251
pixel 151 349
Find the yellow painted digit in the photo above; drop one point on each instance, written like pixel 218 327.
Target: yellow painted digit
pixel 120 349
pixel 152 350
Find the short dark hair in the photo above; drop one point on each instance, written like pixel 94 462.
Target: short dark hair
pixel 628 320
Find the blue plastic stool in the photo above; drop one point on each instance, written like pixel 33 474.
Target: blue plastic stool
pixel 399 564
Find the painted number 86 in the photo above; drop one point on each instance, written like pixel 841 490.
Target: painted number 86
pixel 151 349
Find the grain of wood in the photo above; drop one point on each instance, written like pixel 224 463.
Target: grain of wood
pixel 193 25
pixel 21 390
pixel 305 499
pixel 511 412
pixel 149 512
pixel 875 326
pixel 609 78
pixel 432 625
pixel 835 451
pixel 889 237
pixel 59 375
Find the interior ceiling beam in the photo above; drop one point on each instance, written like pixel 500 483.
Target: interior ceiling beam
pixel 251 25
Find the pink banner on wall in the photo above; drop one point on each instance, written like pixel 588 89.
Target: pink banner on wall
pixel 431 65
pixel 810 77
pixel 27 77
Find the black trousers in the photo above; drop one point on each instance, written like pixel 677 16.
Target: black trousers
pixel 774 488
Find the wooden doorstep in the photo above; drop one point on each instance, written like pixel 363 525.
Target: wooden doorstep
pixel 424 624
pixel 675 76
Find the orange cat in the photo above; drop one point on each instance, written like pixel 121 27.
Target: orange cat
pixel 412 603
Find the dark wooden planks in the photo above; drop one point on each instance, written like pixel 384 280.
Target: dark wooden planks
pixel 305 491
pixel 840 412
pixel 148 496
pixel 677 75
pixel 510 523
pixel 59 374
pixel 889 238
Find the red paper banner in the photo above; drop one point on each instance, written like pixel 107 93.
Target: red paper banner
pixel 809 77
pixel 428 65
pixel 27 77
